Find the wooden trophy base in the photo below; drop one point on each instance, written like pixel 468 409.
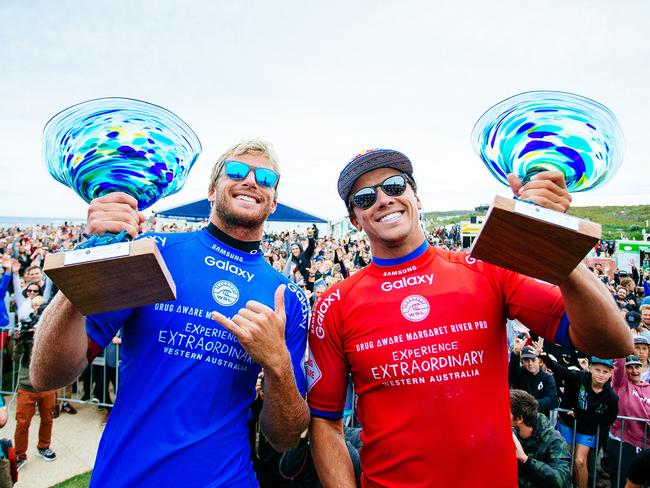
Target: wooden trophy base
pixel 533 240
pixel 113 277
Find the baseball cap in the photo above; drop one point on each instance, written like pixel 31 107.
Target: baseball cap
pixel 633 319
pixel 369 160
pixel 633 359
pixel 528 353
pixel 639 339
pixel 606 362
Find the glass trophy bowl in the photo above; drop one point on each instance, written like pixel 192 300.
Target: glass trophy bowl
pixel 550 130
pixel 534 132
pixel 117 145
pixel 120 144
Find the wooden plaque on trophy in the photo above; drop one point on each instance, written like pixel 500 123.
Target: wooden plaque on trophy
pixel 113 277
pixel 533 240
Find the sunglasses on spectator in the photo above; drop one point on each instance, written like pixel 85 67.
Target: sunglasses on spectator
pixel 393 186
pixel 236 170
pixel 33 290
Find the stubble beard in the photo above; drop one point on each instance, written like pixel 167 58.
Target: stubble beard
pixel 225 213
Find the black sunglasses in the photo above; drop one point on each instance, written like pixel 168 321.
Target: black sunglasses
pixel 393 186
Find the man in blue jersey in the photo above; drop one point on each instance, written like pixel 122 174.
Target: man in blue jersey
pixel 189 366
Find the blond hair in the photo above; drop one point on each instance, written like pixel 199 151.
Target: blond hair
pixel 250 146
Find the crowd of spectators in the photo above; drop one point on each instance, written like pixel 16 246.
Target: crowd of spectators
pixel 604 404
pixel 591 391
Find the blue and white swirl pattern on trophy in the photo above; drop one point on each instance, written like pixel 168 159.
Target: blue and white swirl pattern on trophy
pixel 120 144
pixel 550 131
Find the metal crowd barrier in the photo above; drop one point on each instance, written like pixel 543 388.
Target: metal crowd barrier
pixel 595 455
pixel 97 384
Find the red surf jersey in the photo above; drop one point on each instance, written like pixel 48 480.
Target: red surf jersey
pixel 425 342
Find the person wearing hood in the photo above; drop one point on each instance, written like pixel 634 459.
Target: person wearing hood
pixel 542 454
pixel 627 438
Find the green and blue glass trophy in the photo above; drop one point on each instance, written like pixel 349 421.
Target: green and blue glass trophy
pixel 117 145
pixel 544 131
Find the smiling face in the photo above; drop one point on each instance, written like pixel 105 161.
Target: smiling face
pixel 633 372
pixel 241 207
pixel 34 275
pixel 531 365
pixel 392 223
pixel 600 374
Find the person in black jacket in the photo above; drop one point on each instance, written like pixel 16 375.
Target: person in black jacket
pixel 592 404
pixel 528 375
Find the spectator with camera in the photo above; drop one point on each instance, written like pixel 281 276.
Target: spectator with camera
pixel 27 398
pixel 542 454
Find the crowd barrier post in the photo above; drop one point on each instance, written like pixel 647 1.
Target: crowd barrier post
pixel 594 452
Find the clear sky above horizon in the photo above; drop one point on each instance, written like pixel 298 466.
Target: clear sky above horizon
pixel 321 81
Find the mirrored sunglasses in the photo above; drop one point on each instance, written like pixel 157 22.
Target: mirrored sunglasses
pixel 393 186
pixel 237 170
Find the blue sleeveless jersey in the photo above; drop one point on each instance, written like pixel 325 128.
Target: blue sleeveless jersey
pixel 186 384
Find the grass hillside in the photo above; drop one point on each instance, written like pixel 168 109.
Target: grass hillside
pixel 618 222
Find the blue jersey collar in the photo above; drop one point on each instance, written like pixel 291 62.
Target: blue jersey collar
pixel 417 252
pixel 228 251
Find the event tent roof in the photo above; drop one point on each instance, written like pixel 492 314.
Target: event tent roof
pixel 200 210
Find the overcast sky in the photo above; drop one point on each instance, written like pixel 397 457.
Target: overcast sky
pixel 321 81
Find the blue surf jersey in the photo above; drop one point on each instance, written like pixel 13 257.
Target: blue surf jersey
pixel 186 384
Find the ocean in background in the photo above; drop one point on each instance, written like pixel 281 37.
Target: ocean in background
pixel 28 221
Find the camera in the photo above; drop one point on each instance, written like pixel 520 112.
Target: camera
pixel 26 327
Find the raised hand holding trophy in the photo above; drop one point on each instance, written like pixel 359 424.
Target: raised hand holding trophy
pixel 525 135
pixel 116 145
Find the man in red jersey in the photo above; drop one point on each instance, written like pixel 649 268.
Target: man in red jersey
pixel 422 331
